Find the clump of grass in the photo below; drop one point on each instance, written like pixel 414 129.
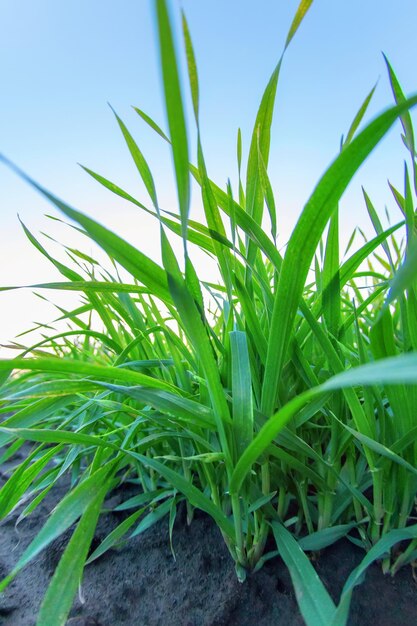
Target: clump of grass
pixel 278 400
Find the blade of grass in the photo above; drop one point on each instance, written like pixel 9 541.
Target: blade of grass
pixel 64 584
pixel 174 110
pixel 64 515
pixel 396 370
pixel 242 391
pixel 54 364
pixel 305 238
pixel 315 604
pixel 139 265
pixel 194 495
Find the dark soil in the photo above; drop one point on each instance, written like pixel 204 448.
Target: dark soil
pixel 141 583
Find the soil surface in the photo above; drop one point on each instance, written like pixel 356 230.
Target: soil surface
pixel 140 584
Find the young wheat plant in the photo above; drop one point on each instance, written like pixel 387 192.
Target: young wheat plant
pixel 279 400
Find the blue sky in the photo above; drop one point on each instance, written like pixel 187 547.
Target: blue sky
pixel 62 62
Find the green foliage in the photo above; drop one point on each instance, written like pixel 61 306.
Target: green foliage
pixel 281 396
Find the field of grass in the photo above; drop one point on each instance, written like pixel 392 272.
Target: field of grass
pixel 280 400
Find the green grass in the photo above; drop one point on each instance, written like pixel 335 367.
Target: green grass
pixel 279 400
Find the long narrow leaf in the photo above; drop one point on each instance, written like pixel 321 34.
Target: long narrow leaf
pixel 305 238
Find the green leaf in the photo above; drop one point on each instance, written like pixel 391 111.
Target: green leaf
pixel 260 143
pixel 154 516
pixel 174 110
pixel 326 537
pixel 251 319
pixel 152 124
pixel 331 296
pixel 377 225
pixel 192 67
pixel 316 606
pixel 102 337
pixel 396 370
pixel 406 276
pixel 65 582
pixel 57 436
pixel 63 516
pixel 35 412
pixel 261 137
pixel 244 221
pixel 63 269
pixel 193 495
pixel 399 99
pixel 139 265
pixel 197 333
pixel 265 436
pixel 114 188
pixel 379 448
pixel 182 408
pixel 242 391
pixel 22 478
pixel 115 536
pixel 359 116
pixel 380 549
pixel 140 161
pixel 350 266
pixel 268 194
pixel 146 498
pixel 303 7
pixel 304 240
pixel 79 368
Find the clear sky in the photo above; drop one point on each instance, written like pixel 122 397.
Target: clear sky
pixel 61 62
